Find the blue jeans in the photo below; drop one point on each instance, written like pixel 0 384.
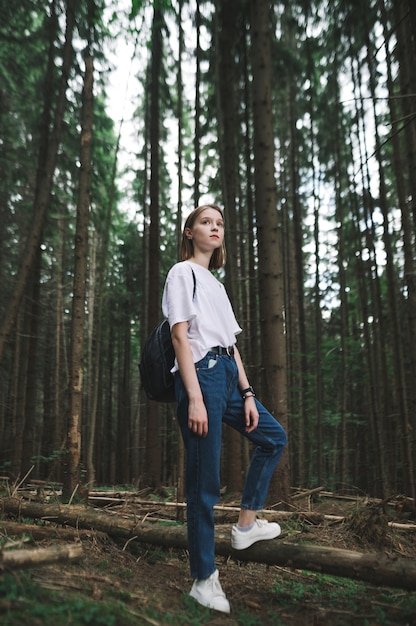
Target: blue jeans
pixel 223 401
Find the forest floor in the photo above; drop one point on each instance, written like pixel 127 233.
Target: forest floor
pixel 119 582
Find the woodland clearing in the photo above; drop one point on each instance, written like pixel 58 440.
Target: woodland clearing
pixel 116 579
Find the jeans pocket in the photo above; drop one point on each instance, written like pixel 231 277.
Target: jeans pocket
pixel 208 362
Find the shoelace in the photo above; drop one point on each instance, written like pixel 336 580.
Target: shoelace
pixel 261 522
pixel 216 587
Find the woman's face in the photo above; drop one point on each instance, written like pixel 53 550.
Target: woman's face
pixel 207 232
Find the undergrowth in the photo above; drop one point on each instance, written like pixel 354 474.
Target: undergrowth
pixel 300 598
pixel 26 603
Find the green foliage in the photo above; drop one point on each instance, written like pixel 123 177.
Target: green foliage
pixel 51 458
pixel 30 604
pixel 338 597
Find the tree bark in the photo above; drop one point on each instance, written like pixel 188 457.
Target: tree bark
pixel 73 444
pixel 227 129
pixel 153 442
pixel 19 559
pixel 12 529
pixel 30 421
pixel 269 236
pixel 293 214
pixel 197 136
pixel 377 568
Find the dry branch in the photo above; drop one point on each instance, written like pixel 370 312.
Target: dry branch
pixel 377 568
pixel 18 559
pixel 306 494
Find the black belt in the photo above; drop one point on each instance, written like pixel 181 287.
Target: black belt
pixel 223 351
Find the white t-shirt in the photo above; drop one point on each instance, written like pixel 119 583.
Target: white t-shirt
pixel 210 317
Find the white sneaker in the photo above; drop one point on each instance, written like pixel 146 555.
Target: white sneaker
pixel 262 529
pixel 209 593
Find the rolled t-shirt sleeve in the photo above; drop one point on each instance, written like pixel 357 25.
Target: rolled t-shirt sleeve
pixel 177 302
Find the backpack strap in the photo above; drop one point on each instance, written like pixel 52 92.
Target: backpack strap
pixel 193 276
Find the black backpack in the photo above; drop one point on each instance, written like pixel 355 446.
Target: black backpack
pixel 157 360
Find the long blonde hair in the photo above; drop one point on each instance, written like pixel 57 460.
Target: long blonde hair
pixel 186 252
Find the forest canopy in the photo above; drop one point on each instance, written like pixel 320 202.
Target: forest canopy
pixel 299 118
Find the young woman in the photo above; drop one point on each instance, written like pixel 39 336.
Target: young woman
pixel 212 387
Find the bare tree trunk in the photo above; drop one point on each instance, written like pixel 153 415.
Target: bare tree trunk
pixel 153 443
pixel 316 360
pixel 73 443
pixel 227 121
pixel 197 135
pixel 180 448
pixel 99 263
pixel 31 418
pixel 19 397
pixel 405 163
pixel 251 284
pixel 293 264
pixel 93 360
pixel 179 85
pixel 269 236
pixel 35 557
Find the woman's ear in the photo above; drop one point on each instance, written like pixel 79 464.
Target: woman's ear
pixel 188 233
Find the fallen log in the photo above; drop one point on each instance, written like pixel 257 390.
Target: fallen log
pixel 46 532
pixel 377 568
pixel 19 559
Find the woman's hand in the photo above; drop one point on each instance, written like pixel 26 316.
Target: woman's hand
pixel 251 414
pixel 198 418
pixel 197 412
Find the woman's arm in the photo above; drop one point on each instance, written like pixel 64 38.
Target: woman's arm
pixel 197 413
pixel 250 410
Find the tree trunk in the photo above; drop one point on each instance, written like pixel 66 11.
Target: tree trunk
pixel 341 209
pixel 31 417
pixel 153 443
pixel 227 122
pixel 93 361
pixel 405 163
pixel 197 137
pixel 251 340
pixel 97 330
pixel 269 236
pixel 19 396
pixel 315 362
pixel 293 233
pixel 73 444
pixel 20 559
pixel 179 113
pixel 179 466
